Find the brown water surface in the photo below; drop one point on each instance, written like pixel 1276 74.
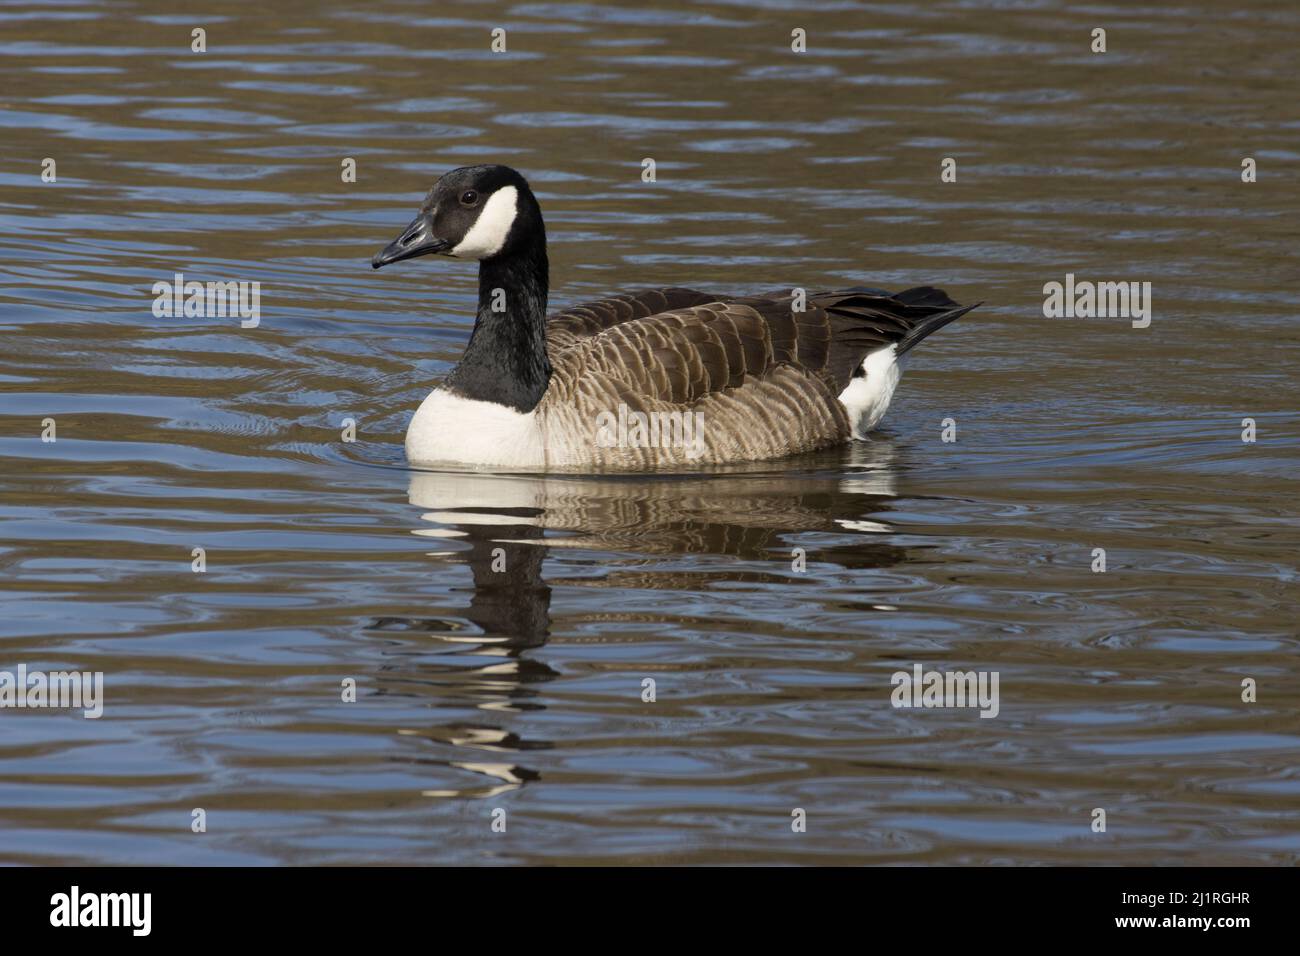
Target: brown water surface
pixel 521 689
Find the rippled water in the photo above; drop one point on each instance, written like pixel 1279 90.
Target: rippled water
pixel 520 688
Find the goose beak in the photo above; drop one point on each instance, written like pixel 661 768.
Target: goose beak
pixel 417 239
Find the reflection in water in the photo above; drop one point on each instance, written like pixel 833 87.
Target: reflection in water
pixel 740 512
pixel 510 606
pixel 508 523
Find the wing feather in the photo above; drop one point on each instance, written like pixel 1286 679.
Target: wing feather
pixel 765 378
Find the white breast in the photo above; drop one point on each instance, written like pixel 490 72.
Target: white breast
pixel 868 396
pixel 448 429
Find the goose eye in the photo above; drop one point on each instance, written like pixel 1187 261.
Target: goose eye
pixel 468 197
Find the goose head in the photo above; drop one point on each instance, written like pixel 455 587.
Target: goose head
pixel 475 212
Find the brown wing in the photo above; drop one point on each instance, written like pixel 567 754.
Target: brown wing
pixel 688 350
pixel 765 378
pixel 577 322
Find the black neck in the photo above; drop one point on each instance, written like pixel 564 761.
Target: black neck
pixel 505 361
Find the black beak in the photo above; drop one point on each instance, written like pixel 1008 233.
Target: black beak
pixel 417 239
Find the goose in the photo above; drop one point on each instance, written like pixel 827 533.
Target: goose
pixel 660 377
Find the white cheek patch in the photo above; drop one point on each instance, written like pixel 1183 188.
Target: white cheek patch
pixel 489 232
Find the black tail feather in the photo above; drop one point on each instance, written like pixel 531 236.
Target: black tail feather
pixel 931 324
pixel 911 314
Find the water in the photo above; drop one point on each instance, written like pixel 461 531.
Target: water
pixel 520 688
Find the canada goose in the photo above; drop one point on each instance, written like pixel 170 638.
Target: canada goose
pixel 663 376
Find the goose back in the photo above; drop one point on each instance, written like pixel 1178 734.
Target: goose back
pixel 676 376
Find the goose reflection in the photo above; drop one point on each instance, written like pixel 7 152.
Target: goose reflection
pixel 504 526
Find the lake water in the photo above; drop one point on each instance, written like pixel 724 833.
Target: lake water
pixel 500 629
